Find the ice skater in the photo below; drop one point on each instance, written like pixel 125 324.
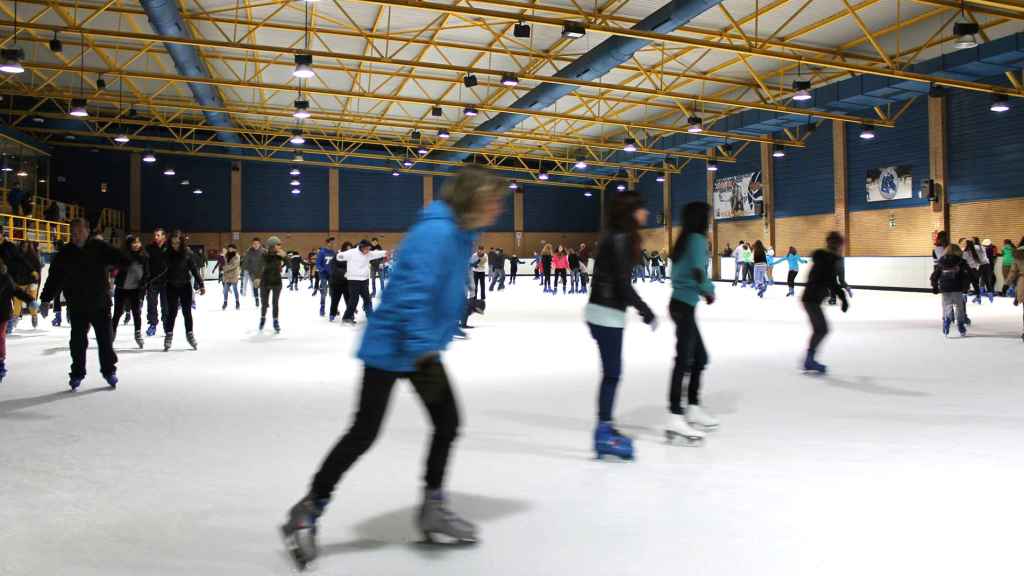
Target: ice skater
pixel 156 289
pixel 821 283
pixel 9 291
pixel 182 279
pixel 418 316
pixel 560 262
pixel 337 283
pixel 232 270
pixel 1016 276
pixel 80 271
pixel 273 262
pixel 480 264
pixel 513 268
pixel 252 268
pixel 358 275
pixel 546 255
pixel 324 257
pixel 793 259
pixel 129 286
pixel 760 262
pixel 952 278
pixel 690 283
pixel 618 255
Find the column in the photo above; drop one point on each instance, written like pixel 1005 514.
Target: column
pixel 716 259
pixel 938 158
pixel 428 190
pixel 333 200
pixel 768 191
pixel 842 209
pixel 236 198
pixel 135 194
pixel 666 206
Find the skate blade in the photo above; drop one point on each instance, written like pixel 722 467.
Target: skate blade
pixel 690 441
pixel 704 427
pixel 442 539
pixel 615 457
pixel 293 544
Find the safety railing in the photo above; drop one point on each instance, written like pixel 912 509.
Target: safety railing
pixel 46 233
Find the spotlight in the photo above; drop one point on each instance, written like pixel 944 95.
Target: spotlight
pixel 395 173
pixel 78 108
pixel 696 125
pixel 294 172
pixel 509 79
pixel 803 90
pixel 712 165
pixel 443 134
pixel 12 61
pixel 6 168
pixel 149 157
pixel 470 111
pixel 22 172
pixel 629 145
pixel 521 30
pixel 437 111
pixel 581 164
pixel 407 163
pixel 297 138
pixel 588 194
pixel 185 182
pixel 296 191
pixel 303 66
pixel 294 183
pixel 169 171
pixel 298 157
pixel 1000 103
pixel 42 180
pixel 543 175
pixel 56 46
pixel 122 138
pixel 778 152
pixel 659 178
pixel 573 29
pixel 422 151
pixel 469 80
pixel 867 132
pixel 966 35
pixel 620 187
pixel 513 186
pixel 197 191
pixel 301 109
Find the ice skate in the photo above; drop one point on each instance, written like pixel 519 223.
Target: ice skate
pixel 138 339
pixel 225 306
pixel 677 427
pixel 192 340
pixel 277 327
pixel 813 367
pixel 3 371
pixel 946 323
pixel 151 330
pixel 168 338
pixel 963 330
pixel 75 382
pixel 790 293
pixel 322 311
pixel 436 519
pixel 237 305
pixel 698 418
pixel 263 322
pixel 348 321
pixel 299 531
pixel 35 322
pixel 56 319
pixel 111 380
pixel 609 441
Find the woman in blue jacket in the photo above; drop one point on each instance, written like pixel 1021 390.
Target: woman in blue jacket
pixel 418 316
pixel 794 260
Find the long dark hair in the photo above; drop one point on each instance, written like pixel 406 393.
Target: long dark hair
pixel 621 220
pixel 759 253
pixel 695 217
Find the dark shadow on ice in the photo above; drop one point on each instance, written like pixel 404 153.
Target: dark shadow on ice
pixel 867 385
pixel 7 407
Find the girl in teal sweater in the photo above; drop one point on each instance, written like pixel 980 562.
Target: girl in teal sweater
pixel 794 260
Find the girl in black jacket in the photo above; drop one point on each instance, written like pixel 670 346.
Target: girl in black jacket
pixel 338 283
pixel 182 278
pixel 618 253
pixel 129 286
pixel 821 283
pixel 952 277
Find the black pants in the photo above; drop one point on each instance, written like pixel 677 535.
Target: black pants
pixel 99 320
pixel 987 278
pixel 155 295
pixel 339 292
pixel 293 283
pixel 560 273
pixel 512 275
pixel 268 292
pixel 819 325
pixel 431 383
pixel 791 279
pixel 358 289
pixel 547 278
pixel 133 300
pixel 480 282
pixel 691 356
pixel 178 297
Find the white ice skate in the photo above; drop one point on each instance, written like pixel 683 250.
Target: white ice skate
pixel 698 418
pixel 676 427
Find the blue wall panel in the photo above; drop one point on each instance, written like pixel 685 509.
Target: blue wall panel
pixel 690 185
pixel 906 144
pixel 746 162
pixel 166 203
pixel 378 201
pixel 804 182
pixel 986 149
pixel 554 209
pixel 76 176
pixel 269 205
pixel 651 190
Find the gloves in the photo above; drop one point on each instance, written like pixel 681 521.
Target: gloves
pixel 846 306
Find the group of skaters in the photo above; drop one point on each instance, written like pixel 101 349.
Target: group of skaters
pixel 565 265
pixel 755 268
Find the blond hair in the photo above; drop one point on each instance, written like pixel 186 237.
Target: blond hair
pixel 546 251
pixel 467 192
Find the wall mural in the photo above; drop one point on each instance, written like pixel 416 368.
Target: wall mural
pixel 890 183
pixel 738 196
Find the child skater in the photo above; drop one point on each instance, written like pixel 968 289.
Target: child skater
pixel 546 255
pixel 8 291
pixel 232 269
pixel 690 283
pixel 560 262
pixel 952 277
pixel 821 283
pixel 419 313
pixel 513 265
pixel 794 260
pixel 760 261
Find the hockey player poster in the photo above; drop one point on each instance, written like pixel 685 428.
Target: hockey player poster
pixel 890 183
pixel 738 196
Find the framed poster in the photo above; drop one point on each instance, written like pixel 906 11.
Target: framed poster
pixel 738 196
pixel 890 183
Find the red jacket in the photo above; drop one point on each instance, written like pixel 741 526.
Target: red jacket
pixel 560 261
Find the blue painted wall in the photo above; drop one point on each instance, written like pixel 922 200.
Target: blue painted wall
pixel 804 182
pixel 168 204
pixel 746 162
pixel 986 149
pixel 76 174
pixel 651 190
pixel 690 185
pixel 906 144
pixel 554 209
pixel 268 204
pixel 378 201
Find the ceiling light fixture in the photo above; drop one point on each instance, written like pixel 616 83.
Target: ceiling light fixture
pixel 470 80
pixel 659 178
pixel 294 172
pixel 966 35
pixel 296 191
pixel 443 134
pixel 513 186
pixel 169 171
pixel 297 138
pixel 581 163
pixel 422 151
pixel 867 132
pixel 149 157
pixel 437 111
pixel 509 79
pixel 56 46
pixel 407 163
pixel 197 191
pixel 521 30
pixel 803 90
pixel 1000 103
pixel 298 157
pixel 470 111
pixel 301 109
pixel 588 194
pixel 712 165
pixel 696 125
pixel 574 30
pixel 543 175
pixel 629 145
pixel 303 66
pixel 12 61
pixel 22 172
pixel 395 173
pixel 778 152
pixel 78 108
pixel 295 183
pixel 122 138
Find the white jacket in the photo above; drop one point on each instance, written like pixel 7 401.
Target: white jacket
pixel 359 263
pixel 480 264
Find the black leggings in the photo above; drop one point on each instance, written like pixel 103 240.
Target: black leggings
pixel 339 292
pixel 691 356
pixel 547 278
pixel 480 282
pixel 266 293
pixel 431 383
pixel 178 297
pixel 560 273
pixel 791 279
pixel 131 298
pixel 818 324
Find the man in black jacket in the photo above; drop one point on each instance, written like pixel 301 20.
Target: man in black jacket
pixel 821 283
pixel 156 291
pixel 81 271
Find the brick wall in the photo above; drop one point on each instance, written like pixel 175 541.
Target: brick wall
pixel 872 235
pixel 993 219
pixel 807 233
pixel 733 231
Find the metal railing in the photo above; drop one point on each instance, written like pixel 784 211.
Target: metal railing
pixel 44 232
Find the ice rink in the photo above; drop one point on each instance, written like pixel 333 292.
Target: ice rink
pixel 906 459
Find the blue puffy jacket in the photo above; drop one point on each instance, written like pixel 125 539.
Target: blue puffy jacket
pixel 425 298
pixel 323 261
pixel 794 261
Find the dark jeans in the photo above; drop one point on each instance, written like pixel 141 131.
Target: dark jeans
pixel 358 289
pixel 512 275
pixel 178 297
pixel 230 286
pixel 268 292
pixel 609 344
pixel 691 356
pixel 818 324
pixel 131 298
pixel 791 279
pixel 547 278
pixel 748 273
pixel 988 278
pixel 99 320
pixel 374 275
pixel 339 292
pixel 480 282
pixel 497 277
pixel 155 295
pixel 560 273
pixel 323 285
pixel 431 383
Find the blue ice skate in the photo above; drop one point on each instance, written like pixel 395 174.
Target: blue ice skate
pixel 811 366
pixel 609 441
pixel 75 382
pixel 151 330
pixel 111 380
pixel 946 322
pixel 56 319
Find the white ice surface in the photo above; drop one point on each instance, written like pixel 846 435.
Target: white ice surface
pixel 905 460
